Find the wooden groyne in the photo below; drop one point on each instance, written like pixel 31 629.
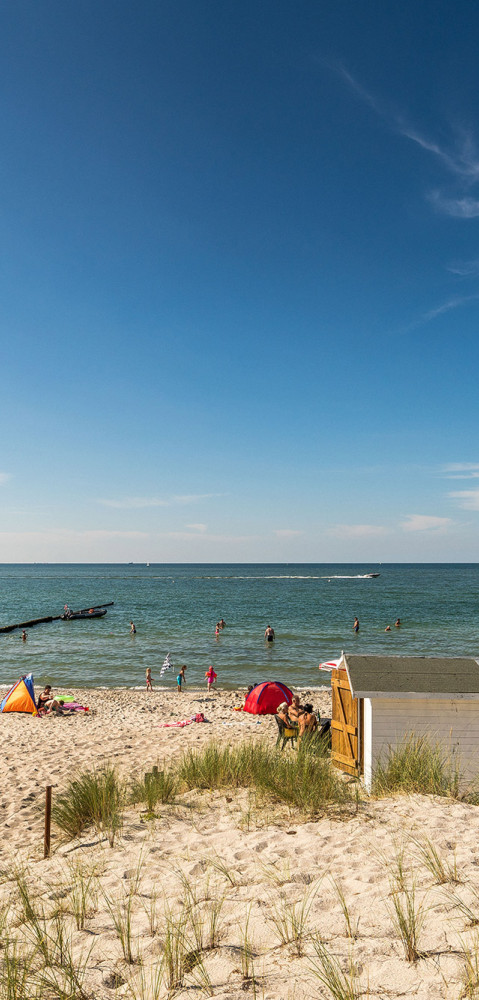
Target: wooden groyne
pixel 51 618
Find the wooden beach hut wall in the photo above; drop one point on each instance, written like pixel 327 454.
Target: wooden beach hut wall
pixel 378 700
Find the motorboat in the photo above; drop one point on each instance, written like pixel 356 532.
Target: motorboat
pixel 70 616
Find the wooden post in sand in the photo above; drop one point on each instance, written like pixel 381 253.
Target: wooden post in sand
pixel 48 819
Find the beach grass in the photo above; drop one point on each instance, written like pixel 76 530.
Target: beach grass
pixel 155 787
pixel 442 869
pixel 305 781
pixel 96 798
pixel 407 916
pixel 326 967
pixel 417 765
pixel 290 919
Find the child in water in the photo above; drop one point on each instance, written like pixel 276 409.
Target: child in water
pixel 149 679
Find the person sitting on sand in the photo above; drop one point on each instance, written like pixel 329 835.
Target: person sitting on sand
pixel 45 697
pixel 57 706
pixel 295 710
pixel 308 721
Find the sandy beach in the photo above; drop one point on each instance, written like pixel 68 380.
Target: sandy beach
pixel 252 860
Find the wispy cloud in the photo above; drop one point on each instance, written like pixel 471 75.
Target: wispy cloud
pixel 425 522
pixel 130 503
pixel 287 532
pixel 462 470
pixel 465 268
pixel 459 208
pixel 462 159
pixel 358 530
pixel 468 499
pixel 5 477
pixel 196 527
pixel 454 303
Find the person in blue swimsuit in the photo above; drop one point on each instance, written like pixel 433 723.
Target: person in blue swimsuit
pixel 181 679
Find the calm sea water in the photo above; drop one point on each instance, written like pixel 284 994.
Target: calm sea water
pixel 175 609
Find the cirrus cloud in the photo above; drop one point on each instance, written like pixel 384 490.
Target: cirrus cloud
pixel 425 522
pixel 468 499
pixel 287 533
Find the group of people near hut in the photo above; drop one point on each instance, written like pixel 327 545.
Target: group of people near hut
pixel 296 716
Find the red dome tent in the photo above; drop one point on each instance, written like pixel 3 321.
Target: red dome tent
pixel 265 698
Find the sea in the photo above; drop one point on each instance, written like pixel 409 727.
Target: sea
pixel 175 609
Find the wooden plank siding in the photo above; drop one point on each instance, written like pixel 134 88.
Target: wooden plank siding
pixel 455 724
pixel 344 724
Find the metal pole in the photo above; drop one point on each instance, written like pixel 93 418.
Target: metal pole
pixel 48 819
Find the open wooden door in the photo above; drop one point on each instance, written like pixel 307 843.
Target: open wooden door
pixel 344 725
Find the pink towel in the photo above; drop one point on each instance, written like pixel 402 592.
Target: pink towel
pixel 199 717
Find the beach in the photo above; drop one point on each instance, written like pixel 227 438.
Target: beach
pixel 249 860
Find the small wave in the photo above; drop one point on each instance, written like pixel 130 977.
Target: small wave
pixel 260 578
pixel 357 576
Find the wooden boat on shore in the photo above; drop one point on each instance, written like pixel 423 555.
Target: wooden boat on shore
pixel 76 615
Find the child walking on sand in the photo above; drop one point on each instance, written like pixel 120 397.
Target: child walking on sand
pixel 149 679
pixel 210 677
pixel 181 679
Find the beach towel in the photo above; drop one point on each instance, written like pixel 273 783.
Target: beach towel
pixel 199 717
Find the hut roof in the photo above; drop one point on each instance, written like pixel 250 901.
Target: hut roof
pixel 416 676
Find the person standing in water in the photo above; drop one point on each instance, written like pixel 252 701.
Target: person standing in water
pixel 356 625
pixel 269 634
pixel 24 636
pixel 398 623
pixel 132 629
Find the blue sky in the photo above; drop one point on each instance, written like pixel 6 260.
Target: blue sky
pixel 239 282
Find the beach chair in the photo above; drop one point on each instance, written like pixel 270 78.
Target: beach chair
pixel 285 734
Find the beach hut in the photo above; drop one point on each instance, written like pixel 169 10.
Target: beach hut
pixel 378 700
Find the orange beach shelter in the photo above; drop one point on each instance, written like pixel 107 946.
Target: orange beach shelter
pixel 21 697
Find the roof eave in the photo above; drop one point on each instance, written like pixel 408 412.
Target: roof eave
pixel 443 695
